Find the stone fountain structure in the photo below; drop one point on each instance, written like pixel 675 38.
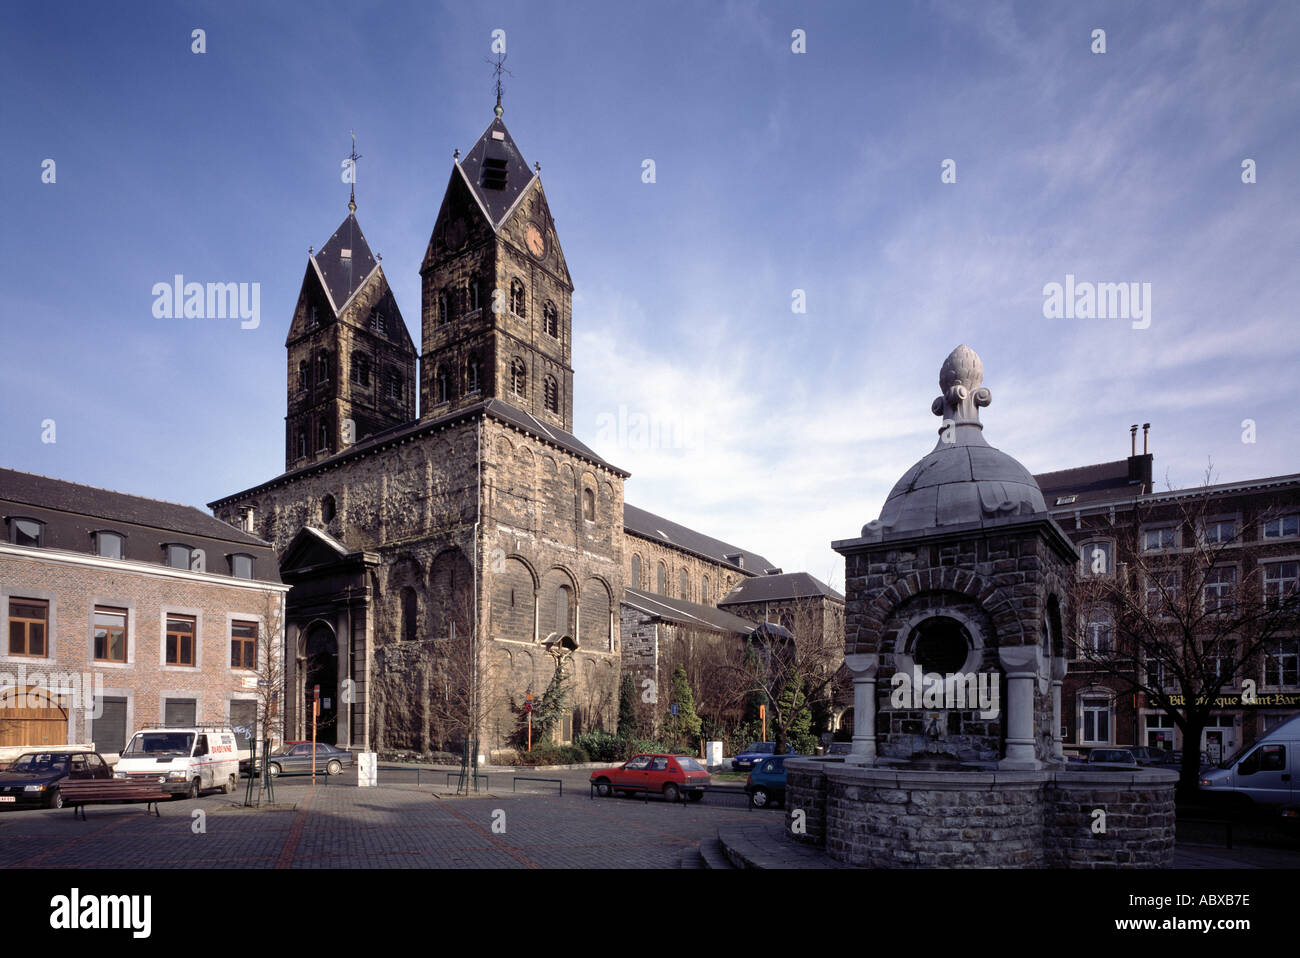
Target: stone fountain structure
pixel 956 601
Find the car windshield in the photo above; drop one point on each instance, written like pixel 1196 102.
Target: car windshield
pixel 1235 757
pixel 40 762
pixel 689 764
pixel 159 744
pixel 762 747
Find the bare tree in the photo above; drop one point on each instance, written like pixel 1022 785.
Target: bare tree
pixel 1182 609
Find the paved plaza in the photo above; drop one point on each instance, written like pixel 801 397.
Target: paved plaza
pixel 396 826
pixel 338 825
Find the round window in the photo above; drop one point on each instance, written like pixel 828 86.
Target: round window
pixel 940 645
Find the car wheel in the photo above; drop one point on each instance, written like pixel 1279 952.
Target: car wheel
pixel 758 798
pixel 55 800
pixel 231 784
pixel 672 793
pixel 334 767
pixel 602 788
pixel 274 769
pixel 194 789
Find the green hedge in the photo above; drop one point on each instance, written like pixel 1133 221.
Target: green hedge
pixel 553 755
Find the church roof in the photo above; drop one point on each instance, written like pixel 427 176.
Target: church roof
pixel 496 172
pixel 669 533
pixel 689 614
pixel 344 261
pixel 501 411
pixel 779 588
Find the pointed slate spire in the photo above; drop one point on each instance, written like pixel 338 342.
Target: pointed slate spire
pixel 496 171
pixel 345 261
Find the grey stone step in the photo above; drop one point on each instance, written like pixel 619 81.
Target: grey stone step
pixel 713 857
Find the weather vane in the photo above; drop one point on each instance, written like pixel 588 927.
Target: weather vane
pixel 498 68
pixel 352 168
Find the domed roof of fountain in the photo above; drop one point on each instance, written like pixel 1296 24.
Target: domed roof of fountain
pixel 963 480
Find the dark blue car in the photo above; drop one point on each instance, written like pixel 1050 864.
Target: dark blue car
pixel 756 752
pixel 766 783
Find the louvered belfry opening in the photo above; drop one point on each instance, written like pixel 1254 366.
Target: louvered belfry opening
pixel 494 172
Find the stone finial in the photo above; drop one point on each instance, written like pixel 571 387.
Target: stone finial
pixel 960 381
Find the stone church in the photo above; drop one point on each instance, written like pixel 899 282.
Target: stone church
pixel 441 562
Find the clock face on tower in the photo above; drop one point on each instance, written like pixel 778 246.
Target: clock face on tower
pixel 536 241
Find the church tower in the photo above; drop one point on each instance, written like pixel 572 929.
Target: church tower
pixel 496 298
pixel 351 360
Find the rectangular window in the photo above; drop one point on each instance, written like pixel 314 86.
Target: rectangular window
pixel 1282 664
pixel 1096 720
pixel 1221 663
pixel 243 645
pixel 110 635
pixel 1096 557
pixel 1161 592
pixel 1159 673
pixel 1219 531
pixel 28 626
pixel 1165 537
pixel 1280 580
pixel 180 640
pixel 1218 591
pixel 241 566
pixel 1283 527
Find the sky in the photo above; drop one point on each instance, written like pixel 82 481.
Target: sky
pixel 913 175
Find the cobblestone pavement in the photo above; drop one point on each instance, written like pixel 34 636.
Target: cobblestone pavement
pixel 342 826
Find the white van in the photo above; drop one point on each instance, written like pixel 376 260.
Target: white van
pixel 1265 773
pixel 184 760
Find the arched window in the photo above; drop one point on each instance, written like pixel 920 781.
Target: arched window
pixel 661 579
pixel 551 393
pixel 705 597
pixel 551 320
pixel 393 385
pixel 473 289
pixel 684 584
pixel 328 509
pixel 473 374
pixel 636 572
pixel 517 298
pixel 302 442
pixel 361 369
pixel 323 367
pixel 409 607
pixel 304 374
pixel 441 390
pixel 519 378
pixel 323 437
pixel 588 505
pixel 444 308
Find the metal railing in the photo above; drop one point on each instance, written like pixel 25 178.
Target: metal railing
pixel 530 778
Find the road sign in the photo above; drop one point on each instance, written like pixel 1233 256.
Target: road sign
pixel 675 709
pixel 528 707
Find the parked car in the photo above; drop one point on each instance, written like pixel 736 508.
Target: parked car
pixel 296 759
pixel 33 778
pixel 1263 774
pixel 1174 760
pixel 1147 755
pixel 1118 758
pixel 756 752
pixel 672 775
pixel 766 783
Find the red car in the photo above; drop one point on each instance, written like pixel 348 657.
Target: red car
pixel 673 775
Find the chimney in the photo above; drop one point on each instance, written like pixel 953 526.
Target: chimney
pixel 1133 439
pixel 1139 467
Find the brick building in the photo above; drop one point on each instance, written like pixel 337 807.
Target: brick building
pixel 125 611
pixel 1115 517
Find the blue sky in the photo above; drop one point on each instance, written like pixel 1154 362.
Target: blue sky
pixel 774 171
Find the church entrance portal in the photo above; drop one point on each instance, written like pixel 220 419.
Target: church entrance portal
pixel 321 668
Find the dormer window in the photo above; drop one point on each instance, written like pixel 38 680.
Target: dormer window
pixel 180 556
pixel 494 173
pixel 241 566
pixel 27 532
pixel 108 545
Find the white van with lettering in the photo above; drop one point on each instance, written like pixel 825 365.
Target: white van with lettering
pixel 184 760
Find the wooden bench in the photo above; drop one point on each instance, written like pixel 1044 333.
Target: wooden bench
pixel 109 791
